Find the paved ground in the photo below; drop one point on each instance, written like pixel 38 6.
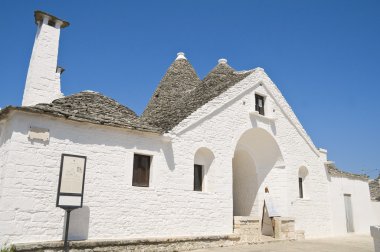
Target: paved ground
pixel 339 244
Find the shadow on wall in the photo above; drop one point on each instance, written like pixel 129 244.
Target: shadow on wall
pixel 256 153
pixel 79 224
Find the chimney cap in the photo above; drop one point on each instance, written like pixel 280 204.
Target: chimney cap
pixel 39 16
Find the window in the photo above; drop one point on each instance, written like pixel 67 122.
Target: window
pixel 259 101
pixel 198 177
pixel 300 187
pixel 302 182
pixel 141 170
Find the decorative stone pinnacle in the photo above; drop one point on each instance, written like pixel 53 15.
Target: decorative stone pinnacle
pixel 180 55
pixel 222 61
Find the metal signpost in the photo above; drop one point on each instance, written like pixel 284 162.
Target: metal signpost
pixel 70 187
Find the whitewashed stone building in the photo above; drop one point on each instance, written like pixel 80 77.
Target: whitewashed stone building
pixel 202 152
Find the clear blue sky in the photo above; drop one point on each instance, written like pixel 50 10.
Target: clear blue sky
pixel 323 55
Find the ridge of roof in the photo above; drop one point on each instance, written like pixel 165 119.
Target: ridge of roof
pixel 178 81
pixel 88 106
pixel 335 172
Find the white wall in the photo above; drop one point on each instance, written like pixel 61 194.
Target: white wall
pixel 361 205
pixel 169 207
pixel 376 213
pixel 117 209
pixel 219 124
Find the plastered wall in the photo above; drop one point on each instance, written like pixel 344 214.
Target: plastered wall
pixel 169 207
pixel 362 209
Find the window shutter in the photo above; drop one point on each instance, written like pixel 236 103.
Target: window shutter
pixel 141 170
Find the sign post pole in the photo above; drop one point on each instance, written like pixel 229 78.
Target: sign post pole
pixel 66 244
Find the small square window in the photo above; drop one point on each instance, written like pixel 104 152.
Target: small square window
pixel 259 104
pixel 198 177
pixel 141 170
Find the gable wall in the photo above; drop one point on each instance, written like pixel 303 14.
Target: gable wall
pixel 219 128
pixel 117 209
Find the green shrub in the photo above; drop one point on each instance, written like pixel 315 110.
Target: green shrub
pixel 7 248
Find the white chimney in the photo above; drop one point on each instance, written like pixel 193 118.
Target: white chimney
pixel 43 82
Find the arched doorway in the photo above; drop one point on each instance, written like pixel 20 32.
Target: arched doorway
pixel 255 155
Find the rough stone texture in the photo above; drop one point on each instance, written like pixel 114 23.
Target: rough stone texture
pixel 300 235
pixel 334 171
pixel 88 106
pixel 247 228
pixel 374 187
pixel 287 228
pixel 181 92
pixel 375 233
pixel 162 110
pixel 148 245
pixel 348 243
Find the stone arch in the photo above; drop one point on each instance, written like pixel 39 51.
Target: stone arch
pixel 256 153
pixel 205 157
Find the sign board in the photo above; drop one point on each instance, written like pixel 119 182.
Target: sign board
pixel 71 181
pixel 270 206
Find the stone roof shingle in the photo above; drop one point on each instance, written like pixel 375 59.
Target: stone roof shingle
pixel 88 106
pixel 374 189
pixel 162 109
pixel 335 172
pixel 178 95
pixel 168 106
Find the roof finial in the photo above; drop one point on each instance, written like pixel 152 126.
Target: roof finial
pixel 180 55
pixel 222 61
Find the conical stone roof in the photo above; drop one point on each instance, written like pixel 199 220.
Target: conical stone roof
pixel 217 81
pixel 179 80
pixel 91 107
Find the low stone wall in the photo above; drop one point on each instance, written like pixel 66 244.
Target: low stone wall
pixel 284 228
pixel 146 245
pixel 247 228
pixel 375 233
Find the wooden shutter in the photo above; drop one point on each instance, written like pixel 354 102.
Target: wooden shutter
pixel 141 170
pixel 198 177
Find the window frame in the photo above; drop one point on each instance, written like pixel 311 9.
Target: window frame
pixel 260 110
pixel 135 177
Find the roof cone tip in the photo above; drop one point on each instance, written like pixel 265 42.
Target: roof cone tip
pixel 180 55
pixel 222 61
